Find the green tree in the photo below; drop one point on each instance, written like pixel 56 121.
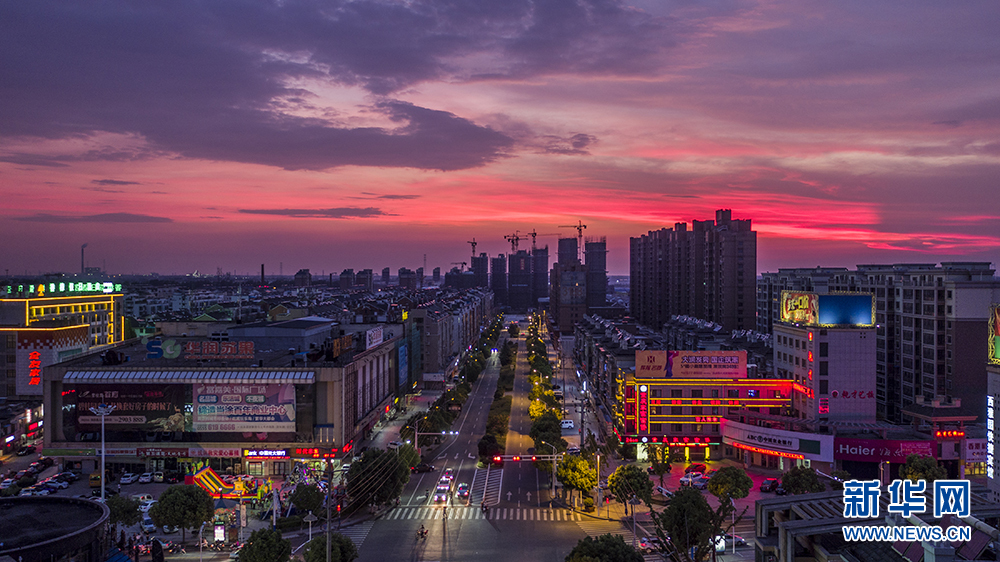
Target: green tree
pixel 687 523
pixel 730 483
pixel 124 511
pixel 629 480
pixel 307 498
pixel 660 455
pixel 547 428
pixel 841 477
pixel 922 468
pixel 342 549
pixel 605 548
pixel 513 330
pixel 408 456
pixel 265 545
pixel 576 473
pixel 802 480
pixel 376 478
pixel 184 506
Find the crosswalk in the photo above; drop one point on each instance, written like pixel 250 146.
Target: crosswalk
pixel 357 533
pixel 486 485
pixel 495 514
pixel 597 527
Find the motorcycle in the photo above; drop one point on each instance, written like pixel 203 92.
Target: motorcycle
pixel 422 534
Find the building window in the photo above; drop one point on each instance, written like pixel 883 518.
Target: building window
pixel 824 386
pixel 677 411
pixel 676 427
pixel 715 393
pixel 656 393
pixel 676 393
pixel 733 393
pixel 824 349
pixel 696 393
pixel 654 428
pixel 696 410
pixel 824 368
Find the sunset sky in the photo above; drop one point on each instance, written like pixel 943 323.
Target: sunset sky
pixel 180 136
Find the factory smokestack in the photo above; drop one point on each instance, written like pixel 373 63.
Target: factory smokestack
pixel 262 275
pixel 83 267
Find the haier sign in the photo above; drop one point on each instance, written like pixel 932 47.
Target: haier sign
pixel 880 450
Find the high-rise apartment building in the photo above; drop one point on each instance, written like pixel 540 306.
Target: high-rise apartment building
pixel 708 272
pixel 520 281
pixel 568 295
pixel 481 270
pixel 540 274
pixel 347 279
pixel 365 279
pixel 770 285
pixel 498 280
pixel 385 276
pixel 596 258
pixel 568 250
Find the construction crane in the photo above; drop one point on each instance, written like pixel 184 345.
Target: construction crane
pixel 533 234
pixel 513 239
pixel 473 242
pixel 579 237
pixel 461 263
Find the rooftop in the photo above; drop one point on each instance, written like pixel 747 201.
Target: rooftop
pixel 30 521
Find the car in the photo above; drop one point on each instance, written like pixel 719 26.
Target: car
pixel 664 492
pixel 46 461
pixel 234 555
pixel 650 544
pixel 171 477
pixel 26 492
pixel 556 387
pixel 422 467
pixel 444 482
pixel 23 473
pixel 462 490
pixel 393 445
pixel 700 483
pixel 167 529
pixel 574 450
pixel 711 472
pixel 147 525
pixel 157 477
pixel 724 541
pixel 441 493
pixel 690 477
pixel 566 424
pixel 146 505
pixel 780 490
pixel 141 497
pixel 54 483
pixel 25 451
pixel 449 473
pixel 697 467
pixel 67 476
pixel 146 478
pixel 769 484
pixel 128 478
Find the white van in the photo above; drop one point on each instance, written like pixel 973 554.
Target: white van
pixel 567 424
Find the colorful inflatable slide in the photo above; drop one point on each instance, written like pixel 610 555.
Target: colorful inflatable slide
pixel 210 481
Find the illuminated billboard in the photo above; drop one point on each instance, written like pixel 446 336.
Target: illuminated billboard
pixel 244 407
pixel 149 407
pixel 846 309
pixel 994 331
pixel 660 364
pixel 799 308
pixel 834 309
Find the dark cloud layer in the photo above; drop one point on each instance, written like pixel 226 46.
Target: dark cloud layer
pixel 336 213
pixel 114 182
pixel 209 80
pixel 101 218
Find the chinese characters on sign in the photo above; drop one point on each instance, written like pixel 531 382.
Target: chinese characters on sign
pixel 34 368
pixel 643 408
pixel 62 289
pixel 799 307
pixel 218 350
pixel 244 407
pixel 690 364
pixel 853 394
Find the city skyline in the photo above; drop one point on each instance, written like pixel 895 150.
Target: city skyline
pixel 365 135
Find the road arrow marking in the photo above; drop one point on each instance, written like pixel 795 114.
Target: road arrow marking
pixel 456 456
pixel 508 496
pixel 529 496
pixel 442 456
pixel 472 456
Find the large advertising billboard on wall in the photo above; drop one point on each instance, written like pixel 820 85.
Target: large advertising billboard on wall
pixel 147 407
pixel 660 364
pixel 880 450
pixel 994 330
pixel 241 407
pixel 799 308
pixel 834 309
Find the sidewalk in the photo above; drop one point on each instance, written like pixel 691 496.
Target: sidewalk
pixel 388 430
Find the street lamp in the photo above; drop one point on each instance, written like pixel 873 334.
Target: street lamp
pixel 103 410
pixel 552 501
pixel 310 519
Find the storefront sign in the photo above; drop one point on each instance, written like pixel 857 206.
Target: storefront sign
pixel 313 453
pixel 70 452
pixel 812 446
pixel 162 452
pixel 994 334
pixel 690 364
pixel 114 452
pixel 764 451
pixel 241 408
pixel 990 435
pixel 265 454
pixel 62 289
pixel 975 450
pixel 219 452
pixel 34 368
pixel 373 337
pixel 878 450
pixel 642 407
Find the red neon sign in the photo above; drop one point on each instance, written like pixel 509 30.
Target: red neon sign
pixel 810 356
pixel 768 451
pixel 803 389
pixel 34 368
pixel 643 409
pixel 810 336
pixel 949 434
pixel 824 405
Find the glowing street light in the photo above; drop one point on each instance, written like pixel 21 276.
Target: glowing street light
pixel 103 410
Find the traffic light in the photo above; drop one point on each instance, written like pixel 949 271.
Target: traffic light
pixel 516 458
pixel 338 508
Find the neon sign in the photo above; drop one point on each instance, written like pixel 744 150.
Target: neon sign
pixel 753 449
pixel 990 437
pixel 34 368
pixel 804 390
pixel 63 289
pixel 949 434
pixel 265 453
pixel 643 409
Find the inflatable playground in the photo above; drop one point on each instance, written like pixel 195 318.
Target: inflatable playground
pixel 217 487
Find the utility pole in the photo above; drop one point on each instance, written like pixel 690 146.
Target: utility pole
pixel 329 486
pixel 103 410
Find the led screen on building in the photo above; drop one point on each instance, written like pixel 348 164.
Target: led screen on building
pixel 799 308
pixel 691 364
pixel 148 407
pixel 244 407
pixel 846 310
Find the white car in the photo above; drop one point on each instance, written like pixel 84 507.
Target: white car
pixel 53 483
pixel 724 541
pixel 689 478
pixel 650 544
pixel 146 478
pixel 449 473
pixel 6 483
pixel 700 483
pixel 144 506
pixel 567 424
pixel 128 478
pixel 147 525
pixel 441 493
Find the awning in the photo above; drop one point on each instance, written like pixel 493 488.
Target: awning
pixel 189 376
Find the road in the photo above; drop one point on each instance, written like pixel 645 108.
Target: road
pixel 518 526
